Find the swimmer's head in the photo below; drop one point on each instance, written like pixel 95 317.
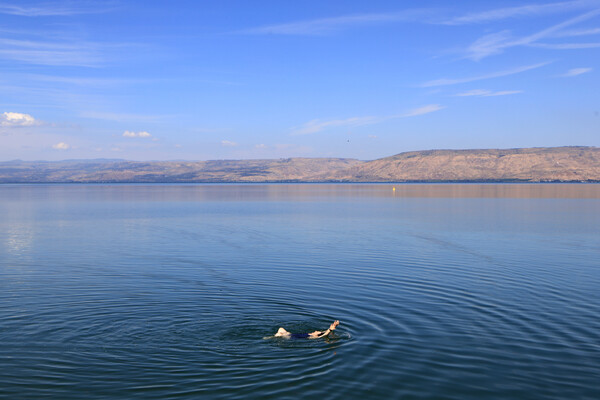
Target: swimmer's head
pixel 281 332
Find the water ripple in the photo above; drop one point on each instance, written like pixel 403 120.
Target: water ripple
pixel 438 298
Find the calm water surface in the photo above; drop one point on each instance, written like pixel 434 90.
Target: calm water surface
pixel 166 291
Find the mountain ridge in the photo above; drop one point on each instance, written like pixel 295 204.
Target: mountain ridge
pixel 536 164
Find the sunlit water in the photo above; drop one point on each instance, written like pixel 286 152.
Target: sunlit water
pixel 166 291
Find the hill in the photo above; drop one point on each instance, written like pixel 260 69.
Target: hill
pixel 553 164
pixel 532 164
pixel 93 171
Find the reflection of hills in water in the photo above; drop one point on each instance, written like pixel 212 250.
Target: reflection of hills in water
pixel 166 291
pixel 310 192
pixel 562 164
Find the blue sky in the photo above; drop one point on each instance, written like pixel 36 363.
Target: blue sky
pixel 198 80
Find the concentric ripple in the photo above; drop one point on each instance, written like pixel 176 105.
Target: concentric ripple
pixel 169 291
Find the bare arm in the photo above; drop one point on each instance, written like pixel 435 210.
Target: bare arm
pixel 320 334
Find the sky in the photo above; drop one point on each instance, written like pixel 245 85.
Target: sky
pixel 206 80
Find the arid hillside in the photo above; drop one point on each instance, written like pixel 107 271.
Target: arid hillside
pixel 532 164
pixel 564 164
pixel 107 171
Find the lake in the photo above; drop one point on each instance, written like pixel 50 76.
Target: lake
pixel 167 291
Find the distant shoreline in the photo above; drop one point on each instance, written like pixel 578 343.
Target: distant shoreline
pixel 574 164
pixel 490 182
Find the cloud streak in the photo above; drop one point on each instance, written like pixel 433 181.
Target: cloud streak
pixel 317 125
pixel 54 9
pixel 50 53
pixel 567 46
pixel 496 43
pixel 487 93
pixel 81 81
pixel 580 32
pixel 521 11
pixel 55 48
pixel 325 26
pixel 576 72
pixel 419 111
pixel 121 117
pixel 499 74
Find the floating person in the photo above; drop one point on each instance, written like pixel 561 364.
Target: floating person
pixel 313 335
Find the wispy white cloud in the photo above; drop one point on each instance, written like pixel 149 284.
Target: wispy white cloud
pixel 317 125
pixel 14 119
pixel 521 11
pixel 496 43
pixel 81 81
pixel 61 146
pixel 556 28
pixel 50 53
pixel 121 117
pixel 324 26
pixel 420 111
pixel 576 71
pixel 566 46
pixel 487 93
pixel 490 44
pixel 228 143
pixel 62 48
pixel 141 134
pixel 577 32
pixel 499 74
pixel 53 9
